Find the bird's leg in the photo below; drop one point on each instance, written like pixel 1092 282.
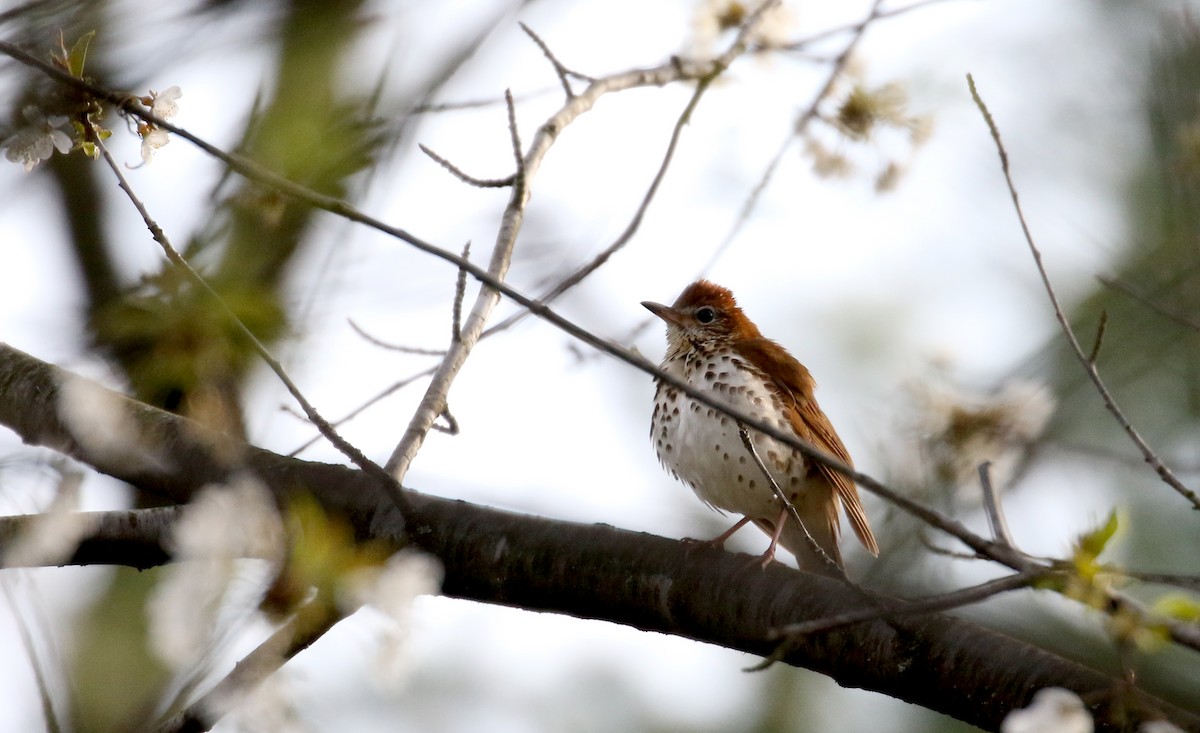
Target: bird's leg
pixel 769 555
pixel 717 543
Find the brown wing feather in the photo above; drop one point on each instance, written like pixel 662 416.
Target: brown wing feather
pixel 794 380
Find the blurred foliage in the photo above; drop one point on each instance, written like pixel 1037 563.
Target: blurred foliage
pixel 175 346
pixel 115 678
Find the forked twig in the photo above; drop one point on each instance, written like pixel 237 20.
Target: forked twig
pixel 1089 367
pixel 433 403
pixel 564 74
pixel 703 83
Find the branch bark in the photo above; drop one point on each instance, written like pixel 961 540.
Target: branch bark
pixel 600 572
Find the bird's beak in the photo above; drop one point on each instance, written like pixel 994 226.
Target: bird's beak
pixel 665 312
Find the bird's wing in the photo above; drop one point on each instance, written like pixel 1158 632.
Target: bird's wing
pixel 796 384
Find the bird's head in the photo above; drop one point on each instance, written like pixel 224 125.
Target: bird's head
pixel 704 313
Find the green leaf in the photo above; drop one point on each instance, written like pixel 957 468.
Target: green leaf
pixel 78 55
pixel 1179 606
pixel 1093 543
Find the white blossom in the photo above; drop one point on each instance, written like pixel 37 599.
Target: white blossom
pixel 222 525
pixel 1053 710
pixel 51 537
pixel 962 429
pixel 391 590
pixel 37 140
pixel 98 420
pixel 152 139
pixel 164 104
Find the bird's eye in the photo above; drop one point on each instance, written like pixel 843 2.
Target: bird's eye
pixel 706 314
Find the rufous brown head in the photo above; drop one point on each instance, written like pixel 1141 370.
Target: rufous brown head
pixel 704 312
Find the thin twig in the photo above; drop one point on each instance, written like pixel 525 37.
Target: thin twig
pixel 35 661
pixel 310 622
pixel 886 609
pixel 451 426
pixel 856 28
pixel 514 136
pixel 932 604
pixel 720 65
pixel 393 347
pixel 563 72
pixel 1147 453
pixel 798 130
pixel 464 177
pixel 475 103
pixel 791 508
pixel 991 506
pixel 1181 318
pixel 390 486
pixel 460 291
pixel 390 390
pixel 1191 582
pixel 1095 352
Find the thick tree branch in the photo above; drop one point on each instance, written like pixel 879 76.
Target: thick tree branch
pixel 599 572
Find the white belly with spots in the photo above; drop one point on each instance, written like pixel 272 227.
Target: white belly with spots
pixel 705 450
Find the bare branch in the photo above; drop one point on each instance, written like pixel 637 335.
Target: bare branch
pixel 390 390
pixel 460 291
pixel 1148 454
pixel 798 129
pixel 464 177
pixel 433 404
pixel 545 137
pixel 721 63
pixel 595 571
pixel 393 347
pixel 563 72
pixel 932 604
pixel 855 28
pixel 991 505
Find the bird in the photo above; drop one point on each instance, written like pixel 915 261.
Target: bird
pixel 714 347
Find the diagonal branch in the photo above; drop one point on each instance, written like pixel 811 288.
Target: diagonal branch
pixel 1151 458
pixel 546 135
pixel 391 487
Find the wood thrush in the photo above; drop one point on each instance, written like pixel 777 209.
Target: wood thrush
pixel 714 347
